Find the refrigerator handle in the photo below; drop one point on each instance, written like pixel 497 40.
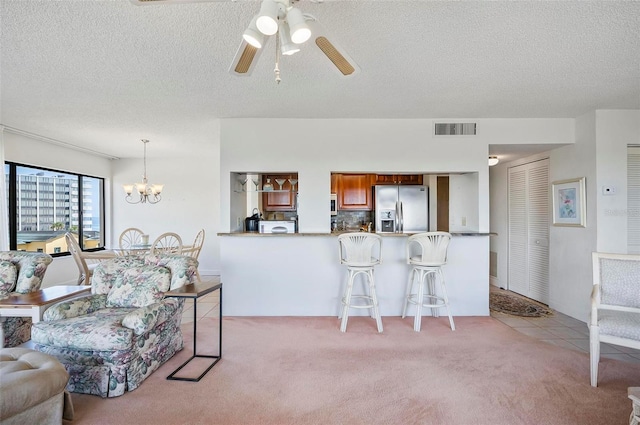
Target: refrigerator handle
pixel 396 224
pixel 401 218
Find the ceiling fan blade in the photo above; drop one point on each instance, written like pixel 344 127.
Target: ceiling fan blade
pixel 245 59
pixel 336 54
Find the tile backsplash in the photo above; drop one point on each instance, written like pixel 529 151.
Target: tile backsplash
pixel 352 219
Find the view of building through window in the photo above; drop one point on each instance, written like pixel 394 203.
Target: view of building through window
pixel 47 204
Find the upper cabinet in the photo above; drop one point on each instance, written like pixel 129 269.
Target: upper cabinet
pixel 279 200
pixel 334 183
pixel 354 191
pixel 399 179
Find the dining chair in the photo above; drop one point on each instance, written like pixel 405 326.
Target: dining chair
pixel 86 261
pixel 194 250
pixel 167 243
pixel 130 237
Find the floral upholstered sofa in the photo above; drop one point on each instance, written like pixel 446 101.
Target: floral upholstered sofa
pixel 112 340
pixel 21 272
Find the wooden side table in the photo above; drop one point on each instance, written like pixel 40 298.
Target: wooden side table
pixel 33 304
pixel 195 291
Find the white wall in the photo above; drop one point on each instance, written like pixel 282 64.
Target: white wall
pixel 315 148
pixel 25 150
pixel 599 154
pixel 615 130
pixel 463 202
pixel 190 199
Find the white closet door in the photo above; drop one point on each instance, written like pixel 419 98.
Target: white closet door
pixel 633 200
pixel 529 230
pixel 518 272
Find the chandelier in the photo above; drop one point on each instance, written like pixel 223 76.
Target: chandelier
pixel 148 192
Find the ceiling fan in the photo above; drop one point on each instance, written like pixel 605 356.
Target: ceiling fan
pixel 292 29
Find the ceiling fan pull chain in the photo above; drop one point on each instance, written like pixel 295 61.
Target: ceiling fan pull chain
pixel 277 69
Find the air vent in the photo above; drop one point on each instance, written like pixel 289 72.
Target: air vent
pixel 455 129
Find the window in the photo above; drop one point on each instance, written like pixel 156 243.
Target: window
pixel 45 204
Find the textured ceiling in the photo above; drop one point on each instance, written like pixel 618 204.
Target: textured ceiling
pixel 104 74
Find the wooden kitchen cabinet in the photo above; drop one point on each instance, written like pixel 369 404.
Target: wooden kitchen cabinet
pixel 354 191
pixel 399 179
pixel 277 200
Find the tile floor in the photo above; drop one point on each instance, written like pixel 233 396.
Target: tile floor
pixel 559 329
pixel 564 331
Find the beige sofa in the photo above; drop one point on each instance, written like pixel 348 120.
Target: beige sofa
pixel 32 388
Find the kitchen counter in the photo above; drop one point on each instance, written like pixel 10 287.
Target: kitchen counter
pixel 298 274
pixel 288 235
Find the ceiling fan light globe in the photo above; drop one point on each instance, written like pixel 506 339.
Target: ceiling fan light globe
pixel 300 35
pixel 251 39
pixel 252 35
pixel 267 25
pixel 267 21
pixel 299 29
pixel 291 50
pixel 286 46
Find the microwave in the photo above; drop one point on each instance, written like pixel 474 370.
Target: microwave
pixel 334 204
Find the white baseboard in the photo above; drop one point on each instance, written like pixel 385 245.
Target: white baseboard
pixel 494 281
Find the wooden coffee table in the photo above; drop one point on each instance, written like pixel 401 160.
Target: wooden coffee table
pixel 35 303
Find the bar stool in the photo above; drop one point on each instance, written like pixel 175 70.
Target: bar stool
pixel 427 253
pixel 360 252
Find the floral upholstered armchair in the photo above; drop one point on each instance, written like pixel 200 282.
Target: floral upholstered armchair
pixel 21 272
pixel 113 339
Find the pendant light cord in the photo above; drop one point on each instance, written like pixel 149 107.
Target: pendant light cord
pixel 277 69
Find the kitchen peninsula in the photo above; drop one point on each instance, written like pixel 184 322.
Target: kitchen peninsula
pixel 299 274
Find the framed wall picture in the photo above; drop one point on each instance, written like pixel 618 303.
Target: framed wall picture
pixel 569 203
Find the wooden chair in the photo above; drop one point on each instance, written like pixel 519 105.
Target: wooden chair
pixel 86 261
pixel 167 243
pixel 194 250
pixel 615 304
pixel 130 237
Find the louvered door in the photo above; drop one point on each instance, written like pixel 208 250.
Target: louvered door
pixel 529 230
pixel 633 200
pixel 518 281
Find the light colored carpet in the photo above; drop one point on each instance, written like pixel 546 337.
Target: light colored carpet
pixel 302 370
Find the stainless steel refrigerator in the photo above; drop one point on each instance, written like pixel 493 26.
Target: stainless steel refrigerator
pixel 401 209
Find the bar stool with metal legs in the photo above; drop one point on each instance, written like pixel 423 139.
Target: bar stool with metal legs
pixel 360 252
pixel 427 253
